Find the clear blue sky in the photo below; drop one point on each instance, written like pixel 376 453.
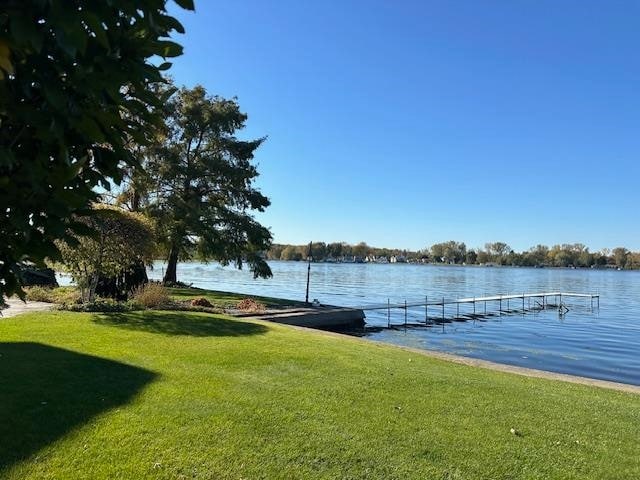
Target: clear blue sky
pixel 411 122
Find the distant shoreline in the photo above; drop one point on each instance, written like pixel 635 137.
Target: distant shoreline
pixel 428 264
pixel 454 265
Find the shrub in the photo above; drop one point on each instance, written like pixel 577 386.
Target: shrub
pixel 121 239
pixel 250 305
pixel 105 305
pixel 57 295
pixel 151 295
pixel 201 302
pixel 39 294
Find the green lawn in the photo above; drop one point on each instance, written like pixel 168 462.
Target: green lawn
pixel 189 395
pixel 227 299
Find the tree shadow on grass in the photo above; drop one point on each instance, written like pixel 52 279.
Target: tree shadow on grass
pixel 176 323
pixel 45 392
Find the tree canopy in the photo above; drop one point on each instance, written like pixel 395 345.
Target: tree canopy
pixel 76 80
pixel 203 193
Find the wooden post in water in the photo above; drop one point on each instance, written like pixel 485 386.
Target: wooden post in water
pixel 442 314
pixel 405 313
pixel 560 304
pixel 426 310
pixel 306 297
pixel 388 313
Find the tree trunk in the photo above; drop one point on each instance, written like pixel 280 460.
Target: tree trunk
pixel 135 201
pixel 93 284
pixel 172 263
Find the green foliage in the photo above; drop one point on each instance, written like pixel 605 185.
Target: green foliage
pixel 290 252
pixel 204 196
pixel 620 256
pixel 105 305
pixel 76 82
pixel 449 252
pixel 119 240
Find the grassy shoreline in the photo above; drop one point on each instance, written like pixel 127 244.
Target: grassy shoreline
pixel 189 395
pixel 224 302
pixel 218 298
pixel 228 299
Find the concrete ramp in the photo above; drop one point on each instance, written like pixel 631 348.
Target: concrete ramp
pixel 325 316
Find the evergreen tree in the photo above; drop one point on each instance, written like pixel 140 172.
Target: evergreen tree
pixel 203 194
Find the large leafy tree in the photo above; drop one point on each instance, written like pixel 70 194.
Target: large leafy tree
pixel 76 81
pixel 204 196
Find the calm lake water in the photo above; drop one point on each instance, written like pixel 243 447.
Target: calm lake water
pixel 602 343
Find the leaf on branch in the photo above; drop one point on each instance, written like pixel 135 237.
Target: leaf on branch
pixel 186 4
pixel 5 60
pixel 167 48
pixel 96 27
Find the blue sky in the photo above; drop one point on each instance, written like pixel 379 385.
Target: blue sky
pixel 411 122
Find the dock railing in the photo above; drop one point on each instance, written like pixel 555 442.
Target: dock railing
pixel 541 301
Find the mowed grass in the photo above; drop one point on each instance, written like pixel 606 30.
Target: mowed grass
pixel 190 395
pixel 227 299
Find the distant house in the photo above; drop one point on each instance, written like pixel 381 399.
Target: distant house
pixel 398 259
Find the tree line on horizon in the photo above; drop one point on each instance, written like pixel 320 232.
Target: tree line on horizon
pixel 457 253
